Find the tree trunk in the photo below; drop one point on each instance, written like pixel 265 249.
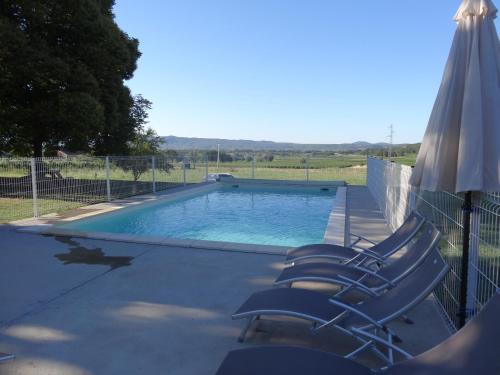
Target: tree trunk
pixel 37 148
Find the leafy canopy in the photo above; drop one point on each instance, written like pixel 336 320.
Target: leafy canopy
pixel 63 64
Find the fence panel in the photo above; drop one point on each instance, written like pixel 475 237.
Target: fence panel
pixel 16 189
pixel 130 176
pixel 64 184
pixel 487 237
pixel 60 184
pixel 389 184
pixel 168 173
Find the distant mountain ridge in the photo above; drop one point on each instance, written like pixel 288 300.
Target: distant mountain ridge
pixel 184 143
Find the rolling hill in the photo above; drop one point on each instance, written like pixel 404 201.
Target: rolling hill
pixel 183 143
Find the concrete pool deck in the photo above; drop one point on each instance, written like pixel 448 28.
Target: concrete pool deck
pixel 152 309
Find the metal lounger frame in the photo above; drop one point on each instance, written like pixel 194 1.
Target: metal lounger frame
pixel 367 335
pixel 472 350
pixel 350 284
pixel 364 254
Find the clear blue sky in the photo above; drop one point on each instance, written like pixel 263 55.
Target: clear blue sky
pixel 316 71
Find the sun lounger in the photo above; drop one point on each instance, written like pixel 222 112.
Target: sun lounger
pixel 362 278
pixel 360 320
pixel 379 252
pixel 475 350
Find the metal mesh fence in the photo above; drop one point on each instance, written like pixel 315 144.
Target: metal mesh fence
pixel 16 194
pixel 485 239
pixel 32 187
pixel 275 166
pixel 63 184
pixel 389 184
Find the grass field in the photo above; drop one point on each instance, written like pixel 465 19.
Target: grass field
pixel 16 209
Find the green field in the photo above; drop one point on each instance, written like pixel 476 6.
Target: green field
pixel 17 209
pixel 406 160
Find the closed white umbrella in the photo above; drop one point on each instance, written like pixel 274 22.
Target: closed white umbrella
pixel 460 151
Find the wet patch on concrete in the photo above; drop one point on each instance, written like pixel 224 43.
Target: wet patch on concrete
pixel 81 255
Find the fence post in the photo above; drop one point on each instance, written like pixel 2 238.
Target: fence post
pixel 184 172
pixel 412 197
pixel 367 162
pixel 473 256
pixel 206 167
pixel 347 224
pixel 108 181
pixel 34 189
pixel 253 167
pixel 307 170
pixel 153 167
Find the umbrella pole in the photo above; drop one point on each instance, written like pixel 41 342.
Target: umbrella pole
pixel 467 210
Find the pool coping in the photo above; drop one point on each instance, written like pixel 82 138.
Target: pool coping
pixel 47 224
pixel 336 229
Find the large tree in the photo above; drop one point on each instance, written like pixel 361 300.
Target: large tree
pixel 63 64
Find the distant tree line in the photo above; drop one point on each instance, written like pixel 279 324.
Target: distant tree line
pixel 195 156
pixel 398 151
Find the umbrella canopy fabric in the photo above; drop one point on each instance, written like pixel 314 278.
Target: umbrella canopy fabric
pixel 461 147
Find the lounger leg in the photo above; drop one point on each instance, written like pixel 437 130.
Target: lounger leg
pixel 314 327
pixel 362 348
pixel 245 329
pixel 378 352
pixel 343 291
pixel 365 345
pixel 394 336
pixel 390 353
pixel 5 357
pixel 407 320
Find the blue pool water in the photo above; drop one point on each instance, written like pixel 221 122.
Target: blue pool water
pixel 264 215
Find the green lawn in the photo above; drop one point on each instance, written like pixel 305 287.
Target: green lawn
pixel 406 160
pixel 17 209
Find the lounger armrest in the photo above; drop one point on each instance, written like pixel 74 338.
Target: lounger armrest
pixel 353 310
pixel 358 285
pixel 373 255
pixel 357 247
pixel 365 260
pixel 334 321
pixel 381 341
pixel 360 238
pixel 374 274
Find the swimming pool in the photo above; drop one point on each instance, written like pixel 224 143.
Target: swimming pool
pixel 262 215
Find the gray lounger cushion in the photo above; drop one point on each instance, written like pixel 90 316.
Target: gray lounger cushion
pixel 328 272
pixel 320 249
pixel 281 360
pixel 394 271
pixel 316 307
pixel 385 248
pixel 474 350
pixel 294 301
